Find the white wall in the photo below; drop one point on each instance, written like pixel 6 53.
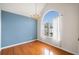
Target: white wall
pixel 78 34
pixel 69 24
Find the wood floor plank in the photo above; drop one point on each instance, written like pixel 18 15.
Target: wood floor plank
pixel 8 51
pixel 34 48
pixel 0 52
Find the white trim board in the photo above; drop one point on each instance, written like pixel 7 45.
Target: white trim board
pixel 35 40
pixel 17 44
pixel 59 47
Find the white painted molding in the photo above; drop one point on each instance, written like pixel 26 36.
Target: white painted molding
pixel 59 47
pixel 38 40
pixel 17 44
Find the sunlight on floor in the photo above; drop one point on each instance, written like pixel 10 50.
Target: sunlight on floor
pixel 47 52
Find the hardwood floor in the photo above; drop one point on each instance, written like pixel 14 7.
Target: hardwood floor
pixel 34 48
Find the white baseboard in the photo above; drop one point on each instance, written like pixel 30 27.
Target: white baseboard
pixel 34 40
pixel 17 44
pixel 58 47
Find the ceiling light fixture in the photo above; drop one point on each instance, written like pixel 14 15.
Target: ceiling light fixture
pixel 36 15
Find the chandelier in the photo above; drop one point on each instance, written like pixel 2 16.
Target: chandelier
pixel 36 16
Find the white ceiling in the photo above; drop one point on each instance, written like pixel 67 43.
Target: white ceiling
pixel 27 9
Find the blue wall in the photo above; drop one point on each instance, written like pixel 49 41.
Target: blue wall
pixel 16 29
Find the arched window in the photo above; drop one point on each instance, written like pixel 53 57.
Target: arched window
pixel 51 25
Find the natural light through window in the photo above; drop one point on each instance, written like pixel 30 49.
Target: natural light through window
pixel 52 26
pixel 56 29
